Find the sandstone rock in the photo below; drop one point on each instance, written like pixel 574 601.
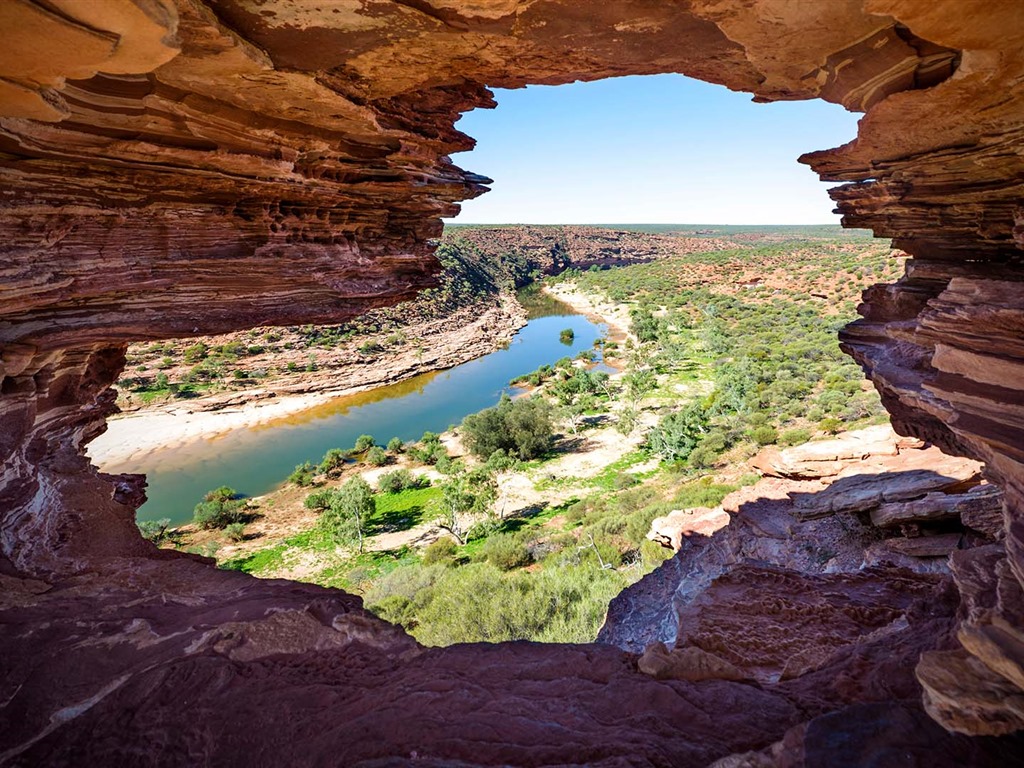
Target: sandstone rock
pixel 762 528
pixel 985 518
pixel 967 697
pixel 980 502
pixel 774 624
pixel 882 554
pixel 693 664
pixel 917 475
pixel 927 546
pixel 181 168
pixel 670 530
pixel 827 458
pixel 877 734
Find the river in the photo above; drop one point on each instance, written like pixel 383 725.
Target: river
pixel 257 459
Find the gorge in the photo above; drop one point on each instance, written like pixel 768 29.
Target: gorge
pixel 174 168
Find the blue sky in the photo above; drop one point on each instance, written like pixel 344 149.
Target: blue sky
pixel 655 149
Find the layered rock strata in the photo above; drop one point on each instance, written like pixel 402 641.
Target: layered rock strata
pixel 179 167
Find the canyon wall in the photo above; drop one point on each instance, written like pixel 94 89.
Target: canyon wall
pixel 178 167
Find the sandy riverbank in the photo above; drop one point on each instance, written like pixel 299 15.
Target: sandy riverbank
pixel 132 437
pixel 615 316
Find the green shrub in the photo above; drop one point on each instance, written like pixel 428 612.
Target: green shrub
pixel 830 426
pixel 235 531
pixel 701 493
pixel 523 428
pixel 319 500
pixel 567 336
pixel 499 461
pixel 196 352
pixel 506 551
pixel 702 458
pixel 395 445
pixel 219 509
pixel 154 530
pixel 794 436
pixel 442 550
pixel 364 443
pixel 302 475
pixel 398 480
pixel 623 480
pixel 764 435
pixel 714 442
pixel 333 461
pixel 377 456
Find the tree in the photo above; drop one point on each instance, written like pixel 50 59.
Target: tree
pixel 344 521
pixel 627 421
pixel 639 382
pixel 575 412
pixel 521 427
pixel 463 493
pixel 644 325
pixel 678 433
pixel 302 476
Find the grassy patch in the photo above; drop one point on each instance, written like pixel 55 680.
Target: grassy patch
pixel 403 510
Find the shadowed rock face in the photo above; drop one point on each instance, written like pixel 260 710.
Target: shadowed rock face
pixel 176 167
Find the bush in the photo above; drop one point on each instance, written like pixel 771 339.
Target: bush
pixel 442 550
pixel 333 461
pixel 154 530
pixel 434 454
pixel 376 456
pixel 764 435
pixel 319 500
pixel 794 436
pixel 522 427
pixel 219 509
pixel 398 480
pixel 302 476
pixel 196 352
pixel 567 336
pixel 830 426
pixel 395 445
pixel 499 461
pixel 623 480
pixel 714 442
pixel 506 552
pixel 678 433
pixel 235 531
pixel 702 458
pixel 364 443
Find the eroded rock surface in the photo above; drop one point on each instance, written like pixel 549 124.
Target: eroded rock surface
pixel 180 167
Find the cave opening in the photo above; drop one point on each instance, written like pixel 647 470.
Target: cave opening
pixel 649 149
pixel 333 129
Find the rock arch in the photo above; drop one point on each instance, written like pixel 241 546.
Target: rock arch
pixel 175 167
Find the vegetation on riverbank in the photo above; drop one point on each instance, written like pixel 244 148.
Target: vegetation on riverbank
pixel 527 519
